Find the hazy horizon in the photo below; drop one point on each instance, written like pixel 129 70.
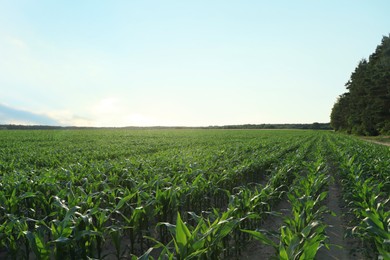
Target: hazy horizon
pixel 176 63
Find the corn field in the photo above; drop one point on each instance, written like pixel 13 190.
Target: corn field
pixel 187 194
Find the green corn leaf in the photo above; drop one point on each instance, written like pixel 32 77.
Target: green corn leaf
pixel 306 231
pixel 194 216
pixel 293 246
pixel 58 202
pixel 61 240
pixel 38 246
pixel 31 240
pixel 385 254
pixel 145 256
pixel 198 244
pixel 312 225
pixel 86 234
pixel 261 237
pixel 70 214
pixel 171 227
pixel 197 254
pixel 123 201
pixel 27 195
pixel 41 245
pixel 374 218
pixel 66 232
pixel 225 227
pixel 321 197
pixel 182 233
pixel 283 253
pixel 310 251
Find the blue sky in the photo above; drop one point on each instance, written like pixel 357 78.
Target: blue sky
pixel 188 63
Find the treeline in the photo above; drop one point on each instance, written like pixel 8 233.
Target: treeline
pixel 315 126
pixel 365 108
pixel 38 127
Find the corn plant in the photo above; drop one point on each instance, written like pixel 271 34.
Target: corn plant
pixel 204 241
pixel 38 243
pixel 72 194
pixel 366 192
pixel 376 225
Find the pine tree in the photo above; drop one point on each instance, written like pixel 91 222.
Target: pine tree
pixel 365 108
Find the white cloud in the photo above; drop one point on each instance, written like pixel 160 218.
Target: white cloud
pixel 113 111
pixel 109 105
pixel 68 118
pixel 15 42
pixel 140 120
pixel 51 75
pixel 107 112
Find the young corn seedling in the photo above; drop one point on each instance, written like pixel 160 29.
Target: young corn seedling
pixel 12 235
pixel 302 245
pixel 205 241
pixel 186 244
pixel 38 244
pixel 100 217
pixel 304 233
pixel 376 225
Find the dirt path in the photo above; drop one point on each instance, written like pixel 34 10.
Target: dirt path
pixel 339 247
pixel 375 141
pixel 257 250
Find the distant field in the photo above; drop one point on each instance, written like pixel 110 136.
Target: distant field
pixel 207 194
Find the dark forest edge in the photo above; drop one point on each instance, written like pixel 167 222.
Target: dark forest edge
pixel 365 108
pixel 314 126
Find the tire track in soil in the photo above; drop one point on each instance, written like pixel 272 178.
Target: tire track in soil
pixel 258 250
pixel 339 248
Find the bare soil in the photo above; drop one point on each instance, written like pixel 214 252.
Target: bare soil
pixel 339 246
pixel 257 250
pixel 377 142
pixel 384 140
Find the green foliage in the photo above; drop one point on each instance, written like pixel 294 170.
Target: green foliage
pixel 365 109
pixel 304 232
pixel 188 193
pixel 365 175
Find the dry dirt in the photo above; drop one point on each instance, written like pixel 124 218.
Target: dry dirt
pixel 375 141
pixel 339 246
pixel 257 250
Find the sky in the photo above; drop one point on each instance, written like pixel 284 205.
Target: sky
pixel 181 63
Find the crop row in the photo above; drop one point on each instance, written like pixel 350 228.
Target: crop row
pixel 247 208
pixel 182 194
pixel 89 204
pixel 365 178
